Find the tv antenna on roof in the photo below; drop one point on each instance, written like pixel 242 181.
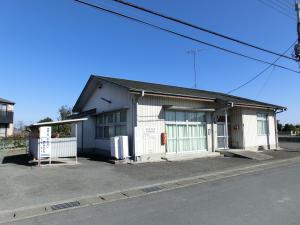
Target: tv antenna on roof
pixel 194 52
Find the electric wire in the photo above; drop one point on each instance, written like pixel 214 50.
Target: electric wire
pixel 276 9
pixel 186 37
pixel 260 73
pixel 265 83
pixel 282 7
pixel 286 3
pixel 199 28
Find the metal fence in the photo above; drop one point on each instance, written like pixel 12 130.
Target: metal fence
pixel 60 147
pixel 10 144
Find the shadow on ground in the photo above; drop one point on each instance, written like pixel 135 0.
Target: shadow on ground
pixel 96 158
pixel 21 159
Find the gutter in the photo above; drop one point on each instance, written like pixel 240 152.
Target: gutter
pixel 280 110
pixel 258 106
pixel 160 94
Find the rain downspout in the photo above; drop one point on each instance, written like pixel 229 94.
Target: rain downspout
pixel 134 120
pixel 276 128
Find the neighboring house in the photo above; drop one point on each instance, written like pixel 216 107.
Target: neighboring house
pixel 6 117
pixel 194 121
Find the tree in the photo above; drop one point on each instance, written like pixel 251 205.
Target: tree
pixel 54 128
pixel 288 127
pixel 62 130
pixel 64 112
pixel 47 119
pixel 279 126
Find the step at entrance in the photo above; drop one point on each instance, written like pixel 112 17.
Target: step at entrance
pixel 246 154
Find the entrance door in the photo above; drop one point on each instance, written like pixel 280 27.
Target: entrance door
pixel 186 132
pixel 221 135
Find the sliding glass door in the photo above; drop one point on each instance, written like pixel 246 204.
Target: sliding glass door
pixel 186 131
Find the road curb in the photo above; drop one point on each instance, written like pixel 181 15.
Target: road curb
pixel 38 210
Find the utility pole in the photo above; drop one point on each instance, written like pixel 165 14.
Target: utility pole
pixel 297 46
pixel 194 52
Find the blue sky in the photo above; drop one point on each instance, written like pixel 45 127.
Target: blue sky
pixel 48 49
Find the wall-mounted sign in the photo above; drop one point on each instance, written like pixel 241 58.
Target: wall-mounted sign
pixel 45 142
pixel 150 131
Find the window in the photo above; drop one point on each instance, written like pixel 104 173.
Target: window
pixel 262 124
pixel 186 131
pixel 2 130
pixel 3 107
pixel 177 116
pixel 111 124
pixel 3 110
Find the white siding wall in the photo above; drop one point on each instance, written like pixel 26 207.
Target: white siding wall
pixel 119 98
pixel 151 115
pixel 89 133
pixel 252 139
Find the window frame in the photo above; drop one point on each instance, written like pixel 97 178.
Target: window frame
pixel 111 120
pixel 3 107
pixel 4 127
pixel 201 121
pixel 264 119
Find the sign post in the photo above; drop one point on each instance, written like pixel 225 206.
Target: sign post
pixel 44 150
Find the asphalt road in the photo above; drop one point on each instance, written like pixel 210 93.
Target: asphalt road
pixel 271 197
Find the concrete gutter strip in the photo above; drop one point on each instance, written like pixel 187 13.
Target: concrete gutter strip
pixel 38 210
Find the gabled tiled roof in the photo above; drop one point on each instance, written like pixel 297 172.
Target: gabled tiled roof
pixel 2 100
pixel 154 88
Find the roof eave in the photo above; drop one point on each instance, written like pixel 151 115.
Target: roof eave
pixel 164 94
pixel 77 107
pixel 7 102
pixel 272 107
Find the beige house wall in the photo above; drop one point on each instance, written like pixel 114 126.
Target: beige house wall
pixel 252 140
pixel 10 107
pixel 10 129
pixel 151 122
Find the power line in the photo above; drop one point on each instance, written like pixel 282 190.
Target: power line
pixel 276 9
pixel 199 28
pixel 277 5
pixel 285 4
pixel 186 37
pixel 260 73
pixel 265 83
pixel 282 7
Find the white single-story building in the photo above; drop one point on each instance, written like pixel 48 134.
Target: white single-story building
pixel 162 120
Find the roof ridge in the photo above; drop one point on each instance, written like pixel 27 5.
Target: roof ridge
pixel 179 87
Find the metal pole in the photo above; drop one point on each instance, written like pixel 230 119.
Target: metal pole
pixel 276 130
pixel 194 52
pixel 297 46
pixel 82 136
pixel 39 154
pixel 195 73
pixel 298 20
pixel 213 131
pixel 226 130
pixel 76 143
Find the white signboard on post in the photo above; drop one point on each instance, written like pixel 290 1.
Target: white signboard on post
pixel 45 142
